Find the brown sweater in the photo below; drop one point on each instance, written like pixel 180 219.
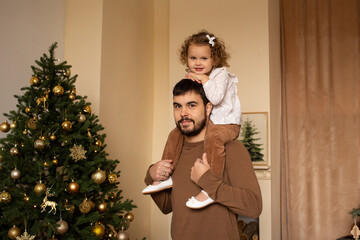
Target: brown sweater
pixel 237 194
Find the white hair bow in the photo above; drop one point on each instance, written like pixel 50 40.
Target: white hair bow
pixel 211 40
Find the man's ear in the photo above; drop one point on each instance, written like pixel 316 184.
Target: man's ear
pixel 209 107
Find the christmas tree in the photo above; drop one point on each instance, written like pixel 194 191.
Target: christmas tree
pixel 248 131
pixel 55 179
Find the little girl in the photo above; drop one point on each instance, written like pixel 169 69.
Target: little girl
pixel 206 60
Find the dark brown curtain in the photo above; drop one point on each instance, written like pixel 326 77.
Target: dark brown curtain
pixel 320 178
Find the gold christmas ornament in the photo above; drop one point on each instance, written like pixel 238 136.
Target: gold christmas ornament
pixel 25 132
pixel 82 118
pixel 98 143
pixel 52 137
pixel 67 72
pixel 39 101
pixel 46 164
pixel 72 97
pixel 122 235
pixel 14 232
pixel 67 125
pixel 39 188
pixel 32 122
pixel 26 198
pixel 58 90
pixel 13 125
pixel 34 81
pixel 55 161
pixel 77 152
pixel 43 138
pixel 5 197
pixel 112 178
pixel 98 230
pixel 74 187
pixel 14 151
pixel 28 110
pixel 99 176
pixel 39 144
pixel 129 216
pixel 87 109
pixel 102 207
pixel 85 206
pixel 63 227
pixel 113 197
pixel 25 236
pixel 4 127
pixel 15 174
pixel 70 208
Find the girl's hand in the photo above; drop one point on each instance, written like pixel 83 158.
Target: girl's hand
pixel 200 78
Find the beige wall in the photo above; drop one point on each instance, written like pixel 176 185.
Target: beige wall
pixel 127 96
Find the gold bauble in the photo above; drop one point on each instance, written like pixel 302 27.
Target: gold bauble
pixel 99 176
pixel 28 110
pixel 5 197
pixel 98 143
pixel 87 109
pixel 34 80
pixel 74 187
pixel 32 122
pixel 112 178
pixel 85 206
pixel 39 188
pixel 73 91
pixel 14 232
pixel 67 72
pixel 43 138
pixel 13 125
pixel 102 207
pixel 82 118
pixel 25 132
pixel 39 144
pixel 52 137
pixel 67 125
pixel 122 235
pixel 55 161
pixel 15 174
pixel 5 127
pixel 98 229
pixel 26 198
pixel 72 97
pixel 63 227
pixel 58 90
pixel 129 216
pixel 14 151
pixel 46 164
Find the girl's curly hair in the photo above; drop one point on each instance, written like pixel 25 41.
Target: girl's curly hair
pixel 218 53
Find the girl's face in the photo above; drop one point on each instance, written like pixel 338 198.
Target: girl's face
pixel 199 59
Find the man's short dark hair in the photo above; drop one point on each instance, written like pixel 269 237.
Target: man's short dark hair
pixel 188 85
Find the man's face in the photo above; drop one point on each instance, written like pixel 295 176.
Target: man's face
pixel 190 114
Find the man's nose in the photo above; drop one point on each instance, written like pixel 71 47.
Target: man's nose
pixel 184 112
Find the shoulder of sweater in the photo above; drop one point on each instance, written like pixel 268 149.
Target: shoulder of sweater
pixel 235 145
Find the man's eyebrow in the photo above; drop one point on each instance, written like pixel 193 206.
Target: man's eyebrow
pixel 192 102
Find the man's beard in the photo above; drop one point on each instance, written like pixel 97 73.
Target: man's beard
pixel 198 127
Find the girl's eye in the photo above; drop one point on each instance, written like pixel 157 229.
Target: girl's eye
pixel 204 58
pixel 192 58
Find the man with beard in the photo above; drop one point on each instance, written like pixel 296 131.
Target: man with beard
pixel 237 193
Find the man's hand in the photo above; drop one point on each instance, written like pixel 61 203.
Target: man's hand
pixel 161 170
pixel 199 168
pixel 200 78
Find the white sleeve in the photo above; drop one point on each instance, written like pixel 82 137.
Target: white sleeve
pixel 216 87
